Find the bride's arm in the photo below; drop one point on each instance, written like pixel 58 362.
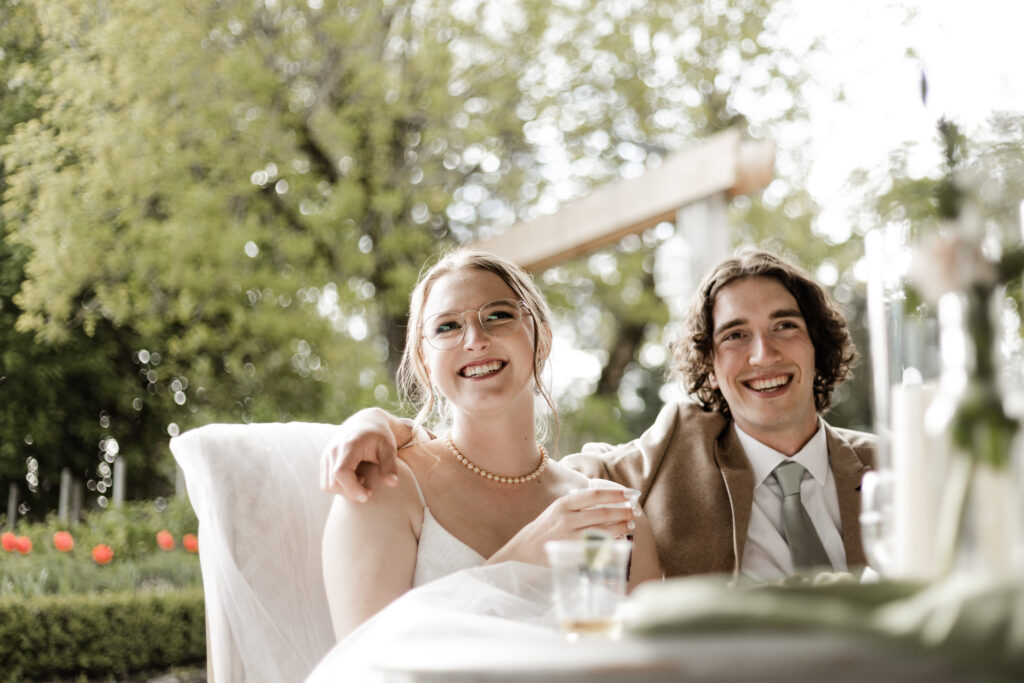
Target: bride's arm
pixel 369 551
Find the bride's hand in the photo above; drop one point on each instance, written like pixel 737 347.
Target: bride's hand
pixel 567 518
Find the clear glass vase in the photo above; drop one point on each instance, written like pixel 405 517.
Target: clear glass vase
pixel 946 494
pixel 900 497
pixel 980 519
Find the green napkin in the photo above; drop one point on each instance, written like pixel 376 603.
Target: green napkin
pixel 979 624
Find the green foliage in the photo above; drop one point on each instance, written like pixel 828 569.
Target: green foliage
pixel 63 615
pixel 47 572
pixel 607 302
pixel 100 635
pixel 683 72
pixel 599 419
pixel 987 164
pixel 221 221
pixel 138 564
pixel 973 192
pixel 21 42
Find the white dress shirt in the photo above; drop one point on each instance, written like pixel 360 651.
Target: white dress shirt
pixel 766 555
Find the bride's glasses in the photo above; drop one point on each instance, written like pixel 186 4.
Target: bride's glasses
pixel 498 318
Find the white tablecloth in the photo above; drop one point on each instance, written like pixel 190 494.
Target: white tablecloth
pixel 496 624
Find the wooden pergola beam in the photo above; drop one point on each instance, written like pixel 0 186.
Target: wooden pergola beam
pixel 724 163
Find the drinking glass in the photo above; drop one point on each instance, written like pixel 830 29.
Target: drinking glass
pixel 589 584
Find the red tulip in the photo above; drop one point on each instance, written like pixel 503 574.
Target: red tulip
pixel 23 544
pixel 190 542
pixel 165 540
pixel 8 541
pixel 63 541
pixel 102 553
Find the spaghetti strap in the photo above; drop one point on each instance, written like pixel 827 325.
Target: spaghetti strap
pixel 419 491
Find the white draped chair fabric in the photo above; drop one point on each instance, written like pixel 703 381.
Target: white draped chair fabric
pixel 261 519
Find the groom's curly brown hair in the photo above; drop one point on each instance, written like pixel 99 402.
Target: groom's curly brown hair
pixel 693 351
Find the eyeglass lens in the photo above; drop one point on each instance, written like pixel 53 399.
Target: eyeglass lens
pixel 498 318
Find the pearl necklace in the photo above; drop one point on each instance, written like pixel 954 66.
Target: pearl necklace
pixel 502 479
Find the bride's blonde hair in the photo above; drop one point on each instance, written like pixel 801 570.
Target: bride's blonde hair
pixel 414 381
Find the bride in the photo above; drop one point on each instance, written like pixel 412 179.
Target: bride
pixel 478 338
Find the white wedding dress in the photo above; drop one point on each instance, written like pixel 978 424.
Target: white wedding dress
pixel 439 552
pixel 454 596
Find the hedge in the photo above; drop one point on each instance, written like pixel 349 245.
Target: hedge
pixel 100 634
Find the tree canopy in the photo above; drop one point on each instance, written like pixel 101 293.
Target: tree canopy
pixel 215 209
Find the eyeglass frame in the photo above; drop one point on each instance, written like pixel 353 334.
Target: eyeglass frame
pixel 521 306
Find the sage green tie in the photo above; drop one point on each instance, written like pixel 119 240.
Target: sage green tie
pixel 804 544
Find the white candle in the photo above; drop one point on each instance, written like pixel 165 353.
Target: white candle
pixel 917 463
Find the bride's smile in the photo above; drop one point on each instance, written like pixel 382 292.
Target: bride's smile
pixel 482 369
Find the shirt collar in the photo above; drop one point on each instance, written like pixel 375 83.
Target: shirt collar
pixel 764 459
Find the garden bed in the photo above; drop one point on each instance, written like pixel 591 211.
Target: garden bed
pixel 115 597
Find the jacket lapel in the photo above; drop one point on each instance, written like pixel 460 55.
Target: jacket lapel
pixel 739 484
pixel 848 469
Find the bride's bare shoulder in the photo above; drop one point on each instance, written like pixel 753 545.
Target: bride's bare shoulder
pixel 383 496
pixel 421 456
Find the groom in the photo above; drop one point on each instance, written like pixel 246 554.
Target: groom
pixel 762 349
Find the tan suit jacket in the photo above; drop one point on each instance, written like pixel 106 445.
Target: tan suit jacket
pixel 697 486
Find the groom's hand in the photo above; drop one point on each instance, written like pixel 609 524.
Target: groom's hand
pixel 368 439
